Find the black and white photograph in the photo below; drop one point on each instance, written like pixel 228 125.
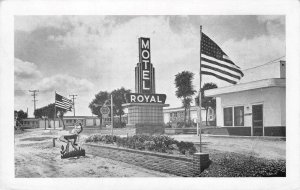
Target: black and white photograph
pixel 128 97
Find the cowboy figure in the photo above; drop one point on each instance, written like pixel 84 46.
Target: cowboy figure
pixel 73 136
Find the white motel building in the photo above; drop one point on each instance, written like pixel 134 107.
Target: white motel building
pixel 256 106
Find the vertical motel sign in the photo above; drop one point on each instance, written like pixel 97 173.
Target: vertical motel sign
pixel 144 58
pixel 145 74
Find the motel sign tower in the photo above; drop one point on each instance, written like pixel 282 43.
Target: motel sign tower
pixel 144 71
pixel 145 107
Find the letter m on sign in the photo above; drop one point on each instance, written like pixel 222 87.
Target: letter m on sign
pixel 145 45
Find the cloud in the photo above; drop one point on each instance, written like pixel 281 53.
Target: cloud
pixel 252 52
pixel 31 23
pixel 110 49
pixel 18 91
pixel 64 83
pixel 275 24
pixel 104 50
pixel 271 18
pixel 27 70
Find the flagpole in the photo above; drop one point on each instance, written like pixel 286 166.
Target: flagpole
pixel 54 109
pixel 200 76
pixel 112 115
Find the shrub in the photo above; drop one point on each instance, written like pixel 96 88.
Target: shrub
pixel 159 143
pixel 184 147
pixel 180 124
pixel 168 125
pixel 149 145
pixel 238 165
pixel 119 124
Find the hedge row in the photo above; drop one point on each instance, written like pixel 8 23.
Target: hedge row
pixel 159 143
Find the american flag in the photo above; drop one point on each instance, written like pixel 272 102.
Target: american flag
pixel 63 102
pixel 216 63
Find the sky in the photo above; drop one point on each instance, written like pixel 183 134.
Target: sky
pixel 83 55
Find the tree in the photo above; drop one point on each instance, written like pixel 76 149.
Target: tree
pixel 207 102
pixel 187 104
pixel 20 115
pixel 118 100
pixel 98 102
pixel 48 111
pixel 185 89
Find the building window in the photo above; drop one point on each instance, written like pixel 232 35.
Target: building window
pixel 228 117
pixel 239 116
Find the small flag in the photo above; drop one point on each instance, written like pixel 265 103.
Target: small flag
pixel 216 63
pixel 63 102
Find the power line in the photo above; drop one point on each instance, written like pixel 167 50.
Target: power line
pixel 269 62
pixel 34 94
pixel 73 97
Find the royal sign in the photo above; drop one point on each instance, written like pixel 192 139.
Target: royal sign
pixel 145 98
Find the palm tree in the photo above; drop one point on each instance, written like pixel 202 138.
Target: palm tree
pixel 185 89
pixel 207 102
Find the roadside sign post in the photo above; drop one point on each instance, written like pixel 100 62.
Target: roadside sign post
pixel 104 110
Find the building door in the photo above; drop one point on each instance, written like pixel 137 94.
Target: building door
pixel 257 120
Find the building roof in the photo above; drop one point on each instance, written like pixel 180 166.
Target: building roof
pixel 30 119
pixel 266 83
pixel 80 117
pixel 193 108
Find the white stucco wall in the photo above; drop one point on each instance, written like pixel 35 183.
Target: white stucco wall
pixel 42 123
pixel 272 70
pixel 97 122
pixel 273 100
pixel 219 112
pixel 283 106
pixel 194 115
pixel 56 124
pixel 166 117
pixel 89 122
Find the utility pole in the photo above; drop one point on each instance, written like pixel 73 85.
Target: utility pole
pixel 34 94
pixel 112 115
pixel 73 97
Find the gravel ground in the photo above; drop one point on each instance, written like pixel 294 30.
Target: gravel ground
pixel 271 148
pixel 36 157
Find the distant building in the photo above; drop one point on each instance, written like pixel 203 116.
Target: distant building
pixel 107 120
pixel 84 120
pixel 30 123
pixel 87 121
pixel 255 106
pixel 175 115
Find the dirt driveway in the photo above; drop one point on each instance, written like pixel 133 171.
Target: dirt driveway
pixel 269 148
pixel 35 156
